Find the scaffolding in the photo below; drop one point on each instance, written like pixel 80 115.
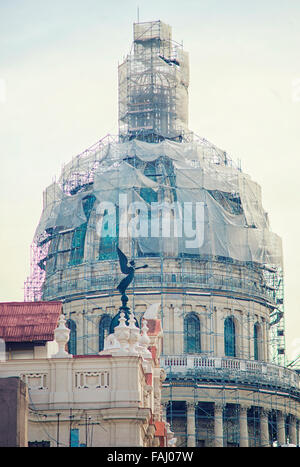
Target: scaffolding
pixel 232 389
pixel 151 177
pixel 33 284
pixel 153 86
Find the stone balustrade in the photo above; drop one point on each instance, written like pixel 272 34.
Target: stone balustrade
pixel 232 368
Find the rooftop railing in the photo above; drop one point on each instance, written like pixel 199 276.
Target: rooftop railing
pixel 231 369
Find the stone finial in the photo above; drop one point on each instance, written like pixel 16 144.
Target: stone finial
pixel 134 336
pixel 61 336
pixel 129 339
pixel 122 333
pixel 144 341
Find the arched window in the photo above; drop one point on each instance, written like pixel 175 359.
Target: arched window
pixel 148 194
pixel 109 238
pixel 192 341
pixel 229 337
pixel 104 326
pixel 256 336
pixel 78 239
pixel 72 344
pixel 52 254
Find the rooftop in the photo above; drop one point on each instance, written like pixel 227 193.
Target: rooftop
pixel 29 321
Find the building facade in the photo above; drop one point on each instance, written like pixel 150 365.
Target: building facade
pixel 214 276
pixel 111 399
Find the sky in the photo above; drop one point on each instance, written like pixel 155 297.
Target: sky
pixel 58 96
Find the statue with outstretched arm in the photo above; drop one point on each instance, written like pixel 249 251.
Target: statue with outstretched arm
pixel 129 271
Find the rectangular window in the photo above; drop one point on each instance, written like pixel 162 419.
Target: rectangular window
pixel 74 437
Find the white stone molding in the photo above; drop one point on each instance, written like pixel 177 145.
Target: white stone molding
pixel 129 340
pixel 35 381
pixel 61 336
pixel 122 333
pixel 92 380
pixel 144 340
pixel 134 335
pixel 147 394
pixel 110 344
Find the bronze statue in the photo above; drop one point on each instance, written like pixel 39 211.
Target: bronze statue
pixel 129 271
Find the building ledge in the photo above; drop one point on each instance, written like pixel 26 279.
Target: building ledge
pixel 249 372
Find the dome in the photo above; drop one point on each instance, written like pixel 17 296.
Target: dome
pixel 155 191
pixel 177 203
pixel 179 199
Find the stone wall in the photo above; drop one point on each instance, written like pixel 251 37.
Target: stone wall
pixel 14 412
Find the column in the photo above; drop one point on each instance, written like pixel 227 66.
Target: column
pixel 244 437
pixel 218 425
pixel 280 428
pixel 191 426
pixel 264 429
pixel 293 430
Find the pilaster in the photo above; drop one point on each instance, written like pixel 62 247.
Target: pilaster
pixel 191 425
pixel 218 425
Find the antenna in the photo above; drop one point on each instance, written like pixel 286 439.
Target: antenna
pixel 138 14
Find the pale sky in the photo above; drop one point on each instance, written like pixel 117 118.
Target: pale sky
pixel 58 96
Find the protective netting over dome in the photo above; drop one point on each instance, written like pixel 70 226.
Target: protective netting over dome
pixel 172 191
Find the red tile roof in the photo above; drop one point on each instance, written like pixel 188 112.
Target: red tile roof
pixel 29 321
